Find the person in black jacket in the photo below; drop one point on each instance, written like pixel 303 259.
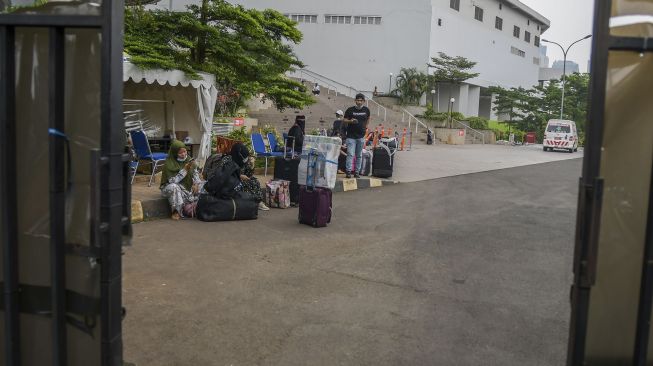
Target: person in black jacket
pixel 296 133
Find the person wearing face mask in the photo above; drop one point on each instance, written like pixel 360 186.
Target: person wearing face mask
pixel 239 155
pixel 356 120
pixel 180 180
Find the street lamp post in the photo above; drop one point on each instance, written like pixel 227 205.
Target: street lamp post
pixel 390 85
pixel 564 67
pixel 451 102
pixel 432 99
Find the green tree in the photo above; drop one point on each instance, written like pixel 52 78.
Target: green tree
pixel 452 70
pixel 410 85
pixel 247 50
pixel 509 102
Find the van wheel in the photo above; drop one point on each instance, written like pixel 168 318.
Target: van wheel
pixel 576 149
pixel 545 148
pixel 570 151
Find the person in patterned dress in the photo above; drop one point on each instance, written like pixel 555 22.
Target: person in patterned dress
pixel 180 180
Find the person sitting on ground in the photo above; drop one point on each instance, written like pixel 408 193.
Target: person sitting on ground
pixel 248 183
pixel 180 180
pixel 296 133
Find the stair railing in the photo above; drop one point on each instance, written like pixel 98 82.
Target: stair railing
pixel 474 131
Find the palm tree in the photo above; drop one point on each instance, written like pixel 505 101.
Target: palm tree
pixel 410 85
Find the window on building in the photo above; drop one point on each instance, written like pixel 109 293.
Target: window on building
pixel 537 41
pixel 500 6
pixel 367 20
pixel 440 22
pixel 454 4
pixel 498 23
pixel 478 13
pixel 528 22
pixel 527 37
pixel 517 51
pixel 515 31
pixel 536 60
pixel 303 18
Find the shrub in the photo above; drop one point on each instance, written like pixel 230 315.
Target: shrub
pixel 478 123
pixel 241 135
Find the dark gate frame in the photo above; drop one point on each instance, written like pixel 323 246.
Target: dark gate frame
pixel 591 195
pixel 113 191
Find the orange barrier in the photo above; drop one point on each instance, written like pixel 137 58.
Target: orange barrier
pixel 382 131
pixel 376 138
pixel 403 141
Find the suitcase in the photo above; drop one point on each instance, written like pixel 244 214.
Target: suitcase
pixel 241 207
pixel 315 206
pixel 314 202
pixel 286 169
pixel 382 164
pixel 366 166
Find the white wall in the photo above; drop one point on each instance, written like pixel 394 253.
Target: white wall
pixel 462 35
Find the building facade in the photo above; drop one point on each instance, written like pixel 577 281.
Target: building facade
pixel 361 43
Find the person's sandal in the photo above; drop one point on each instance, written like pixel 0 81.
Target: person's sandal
pixel 263 207
pixel 175 216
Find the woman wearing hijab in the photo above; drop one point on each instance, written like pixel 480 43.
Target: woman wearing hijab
pixel 297 132
pixel 180 180
pixel 248 183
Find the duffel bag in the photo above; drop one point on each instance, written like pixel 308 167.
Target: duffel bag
pixel 241 207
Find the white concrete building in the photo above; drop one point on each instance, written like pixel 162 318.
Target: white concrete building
pixel 359 43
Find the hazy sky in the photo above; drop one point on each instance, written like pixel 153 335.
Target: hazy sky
pixel 570 20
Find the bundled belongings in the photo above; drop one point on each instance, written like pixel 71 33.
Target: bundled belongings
pixel 277 193
pixel 326 151
pixel 315 203
pixel 366 166
pixel 241 206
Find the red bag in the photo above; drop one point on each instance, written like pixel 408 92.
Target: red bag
pixel 189 210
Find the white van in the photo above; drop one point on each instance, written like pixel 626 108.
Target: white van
pixel 560 134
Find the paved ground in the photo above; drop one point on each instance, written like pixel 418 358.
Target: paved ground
pixel 441 160
pixel 466 270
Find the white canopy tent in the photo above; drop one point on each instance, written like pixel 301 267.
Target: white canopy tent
pixel 174 102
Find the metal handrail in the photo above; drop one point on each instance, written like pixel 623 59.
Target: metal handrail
pixel 467 127
pixel 351 91
pixel 329 85
pixel 404 112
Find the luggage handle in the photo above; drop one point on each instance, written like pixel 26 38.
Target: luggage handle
pixel 390 154
pixel 292 148
pixel 310 177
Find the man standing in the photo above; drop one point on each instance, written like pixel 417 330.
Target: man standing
pixel 356 120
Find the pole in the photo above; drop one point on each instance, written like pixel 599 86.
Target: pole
pixel 564 69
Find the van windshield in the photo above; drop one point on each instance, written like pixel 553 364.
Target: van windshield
pixel 559 128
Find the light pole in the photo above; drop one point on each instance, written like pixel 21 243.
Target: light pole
pixel 451 102
pixel 432 99
pixel 390 84
pixel 564 67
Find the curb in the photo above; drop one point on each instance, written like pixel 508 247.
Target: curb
pixel 158 208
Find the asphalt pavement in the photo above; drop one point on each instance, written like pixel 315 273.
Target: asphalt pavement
pixel 466 270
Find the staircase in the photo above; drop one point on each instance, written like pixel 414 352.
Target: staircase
pixel 323 113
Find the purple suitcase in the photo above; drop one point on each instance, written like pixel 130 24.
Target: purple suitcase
pixel 314 202
pixel 315 206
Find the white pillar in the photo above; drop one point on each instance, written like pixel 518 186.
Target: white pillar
pixel 473 100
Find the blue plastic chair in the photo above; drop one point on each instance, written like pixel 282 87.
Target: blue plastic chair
pixel 143 151
pixel 260 151
pixel 133 167
pixel 272 140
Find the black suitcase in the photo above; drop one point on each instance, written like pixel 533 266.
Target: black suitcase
pixel 382 162
pixel 241 207
pixel 286 169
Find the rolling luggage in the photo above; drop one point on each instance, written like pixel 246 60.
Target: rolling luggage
pixel 241 207
pixel 366 166
pixel 382 164
pixel 285 168
pixel 314 202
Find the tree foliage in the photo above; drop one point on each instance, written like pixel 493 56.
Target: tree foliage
pixel 451 69
pixel 530 109
pixel 247 50
pixel 410 85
